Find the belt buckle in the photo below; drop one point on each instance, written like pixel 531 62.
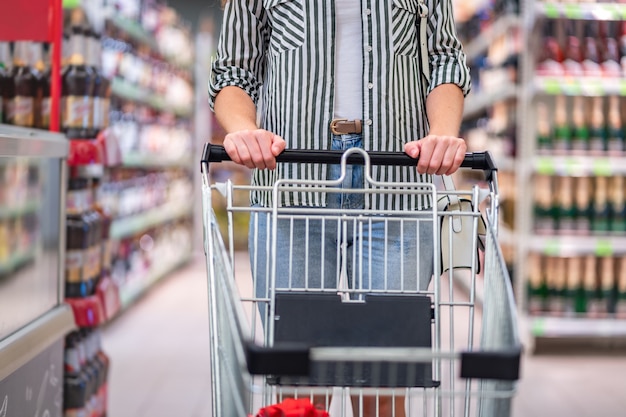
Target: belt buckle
pixel 333 125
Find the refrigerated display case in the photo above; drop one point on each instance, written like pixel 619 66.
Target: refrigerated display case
pixel 33 317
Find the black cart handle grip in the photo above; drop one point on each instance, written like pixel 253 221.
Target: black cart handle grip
pixel 473 160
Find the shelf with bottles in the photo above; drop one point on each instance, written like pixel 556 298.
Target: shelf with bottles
pixel 86 374
pixel 138 200
pixel 165 41
pixel 127 90
pixel 580 11
pixel 501 26
pixel 577 207
pixel 583 293
pixel 578 57
pixel 142 259
pixel 148 138
pixel 138 75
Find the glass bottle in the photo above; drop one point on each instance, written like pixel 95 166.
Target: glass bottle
pixel 77 87
pixel 25 86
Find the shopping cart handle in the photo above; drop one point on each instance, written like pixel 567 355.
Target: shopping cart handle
pixel 474 160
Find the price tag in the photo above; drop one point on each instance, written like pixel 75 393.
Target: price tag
pixel 539 327
pixel 604 248
pixel 602 167
pixel 552 247
pixel 622 84
pixel 552 86
pixel 573 11
pixel 593 87
pixel 572 87
pixel 546 166
pixel 551 11
pixel 571 167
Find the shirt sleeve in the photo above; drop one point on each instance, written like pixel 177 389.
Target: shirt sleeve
pixel 240 59
pixel 447 59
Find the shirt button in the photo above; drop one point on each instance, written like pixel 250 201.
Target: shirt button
pixel 368 122
pixel 368 12
pixel 370 86
pixel 369 48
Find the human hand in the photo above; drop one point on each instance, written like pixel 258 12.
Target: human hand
pixel 438 154
pixel 256 148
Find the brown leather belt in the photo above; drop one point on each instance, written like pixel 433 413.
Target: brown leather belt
pixel 344 126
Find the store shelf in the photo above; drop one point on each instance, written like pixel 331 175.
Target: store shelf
pixel 144 160
pixel 134 224
pixel 17 260
pixel 578 86
pixel 564 327
pixel 500 27
pixel 476 103
pixel 19 210
pixel 579 165
pixel 133 289
pixel 129 91
pixel 581 11
pixel 575 245
pixel 137 32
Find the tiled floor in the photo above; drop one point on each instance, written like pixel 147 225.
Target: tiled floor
pixel 159 350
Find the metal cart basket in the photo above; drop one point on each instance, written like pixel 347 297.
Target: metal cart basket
pixel 318 309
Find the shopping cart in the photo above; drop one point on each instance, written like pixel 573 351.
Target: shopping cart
pixel 340 338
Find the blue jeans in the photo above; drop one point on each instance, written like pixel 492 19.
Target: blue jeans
pixel 372 252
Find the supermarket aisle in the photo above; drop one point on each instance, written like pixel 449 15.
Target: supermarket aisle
pixel 160 363
pixel 159 350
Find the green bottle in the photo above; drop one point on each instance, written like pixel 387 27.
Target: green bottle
pixel 607 284
pixel 598 135
pixel 544 216
pixel 620 289
pixel 575 294
pixel 616 143
pixel 600 221
pixel 580 131
pixel 618 205
pixel 561 138
pixel 566 211
pixel 583 205
pixel 537 290
pixel 544 140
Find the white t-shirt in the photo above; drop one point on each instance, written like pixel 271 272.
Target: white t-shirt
pixel 349 62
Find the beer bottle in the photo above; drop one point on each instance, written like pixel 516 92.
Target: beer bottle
pixel 77 88
pixel 7 92
pixel 25 86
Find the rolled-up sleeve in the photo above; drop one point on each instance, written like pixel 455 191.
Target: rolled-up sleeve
pixel 447 59
pixel 240 59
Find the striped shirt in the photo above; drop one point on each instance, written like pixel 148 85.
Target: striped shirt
pixel 282 53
